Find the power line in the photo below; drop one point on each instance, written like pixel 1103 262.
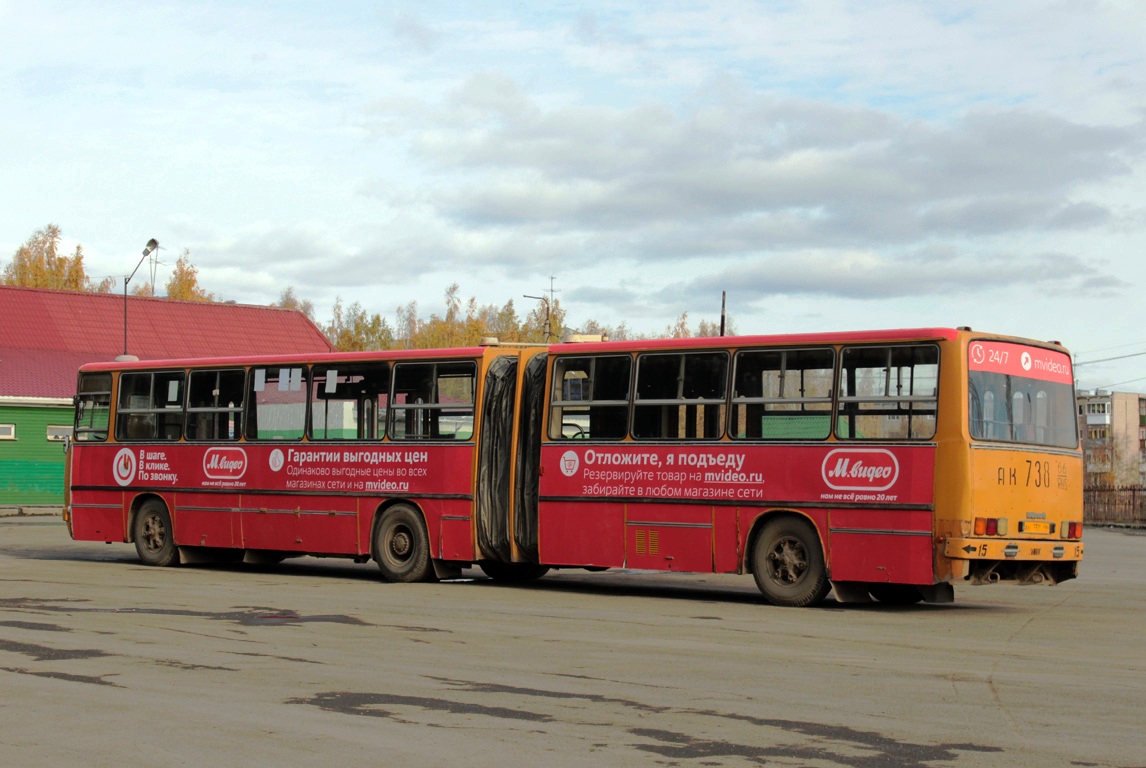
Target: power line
pixel 1120 383
pixel 1108 359
pixel 1107 349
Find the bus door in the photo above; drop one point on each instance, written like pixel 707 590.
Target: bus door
pixel 495 458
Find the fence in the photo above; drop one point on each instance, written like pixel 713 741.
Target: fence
pixel 1104 505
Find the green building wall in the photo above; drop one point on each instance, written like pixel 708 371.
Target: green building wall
pixel 31 466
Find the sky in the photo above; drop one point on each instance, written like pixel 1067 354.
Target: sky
pixel 830 166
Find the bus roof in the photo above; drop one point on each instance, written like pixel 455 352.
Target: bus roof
pixel 636 345
pixel 290 359
pixel 845 337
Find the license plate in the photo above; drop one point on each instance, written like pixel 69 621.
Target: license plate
pixel 1036 527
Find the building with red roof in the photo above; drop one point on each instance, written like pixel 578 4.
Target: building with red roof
pixel 45 336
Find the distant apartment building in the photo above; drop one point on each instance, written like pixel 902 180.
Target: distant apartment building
pixel 1113 430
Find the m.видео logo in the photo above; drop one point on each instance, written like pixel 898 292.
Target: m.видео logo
pixel 860 469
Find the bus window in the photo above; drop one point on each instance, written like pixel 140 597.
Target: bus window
pixel 215 405
pixel 590 398
pixel 1021 417
pixel 783 394
pixel 348 401
pixel 680 396
pixel 150 406
pixel 1006 407
pixel 1041 416
pixel 277 403
pixel 93 407
pixel 888 393
pixel 433 401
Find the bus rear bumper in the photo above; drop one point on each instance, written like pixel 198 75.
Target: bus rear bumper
pixel 1015 561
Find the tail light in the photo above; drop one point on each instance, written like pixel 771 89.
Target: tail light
pixel 1072 530
pixel 990 526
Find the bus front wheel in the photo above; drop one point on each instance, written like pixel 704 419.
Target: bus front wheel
pixel 402 546
pixel 788 563
pixel 154 539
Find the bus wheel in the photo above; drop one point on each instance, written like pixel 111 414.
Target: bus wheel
pixel 789 565
pixel 154 539
pixel 402 546
pixel 895 594
pixel 513 571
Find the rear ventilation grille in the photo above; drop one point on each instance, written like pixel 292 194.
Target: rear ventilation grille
pixel 647 541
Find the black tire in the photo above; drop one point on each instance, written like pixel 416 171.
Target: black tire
pixel 402 546
pixel 788 563
pixel 513 572
pixel 154 537
pixel 895 594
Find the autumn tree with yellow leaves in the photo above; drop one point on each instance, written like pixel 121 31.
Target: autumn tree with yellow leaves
pixel 184 282
pixel 352 329
pixel 38 263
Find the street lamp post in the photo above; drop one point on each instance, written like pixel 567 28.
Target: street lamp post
pixel 545 302
pixel 152 244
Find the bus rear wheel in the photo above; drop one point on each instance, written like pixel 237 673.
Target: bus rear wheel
pixel 788 563
pixel 154 539
pixel 511 572
pixel 402 546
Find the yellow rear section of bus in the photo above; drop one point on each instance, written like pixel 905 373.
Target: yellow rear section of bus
pixel 1024 521
pixel 1009 492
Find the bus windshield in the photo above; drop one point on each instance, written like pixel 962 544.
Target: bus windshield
pixel 1021 394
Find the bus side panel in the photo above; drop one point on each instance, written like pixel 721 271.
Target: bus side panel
pixel 205 519
pixel 325 524
pixel 669 537
pixel 450 526
pixel 455 538
pixel 269 522
pixel 98 515
pixel 590 534
pixel 726 551
pixel 329 525
pixel 97 503
pixel 885 545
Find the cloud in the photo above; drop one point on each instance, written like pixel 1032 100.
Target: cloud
pixel 412 30
pixel 809 198
pixel 768 151
pixel 942 272
pixel 896 159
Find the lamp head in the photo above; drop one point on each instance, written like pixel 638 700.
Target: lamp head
pixel 152 244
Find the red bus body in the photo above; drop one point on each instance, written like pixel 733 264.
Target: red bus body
pixel 688 512
pixel 548 472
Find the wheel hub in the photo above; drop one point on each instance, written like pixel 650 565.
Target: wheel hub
pixel 400 544
pixel 154 533
pixel 788 560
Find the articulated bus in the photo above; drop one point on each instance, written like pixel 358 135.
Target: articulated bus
pixel 888 464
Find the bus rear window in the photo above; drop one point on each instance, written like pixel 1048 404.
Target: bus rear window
pixel 1021 394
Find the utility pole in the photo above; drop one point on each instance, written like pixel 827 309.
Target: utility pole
pixel 547 302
